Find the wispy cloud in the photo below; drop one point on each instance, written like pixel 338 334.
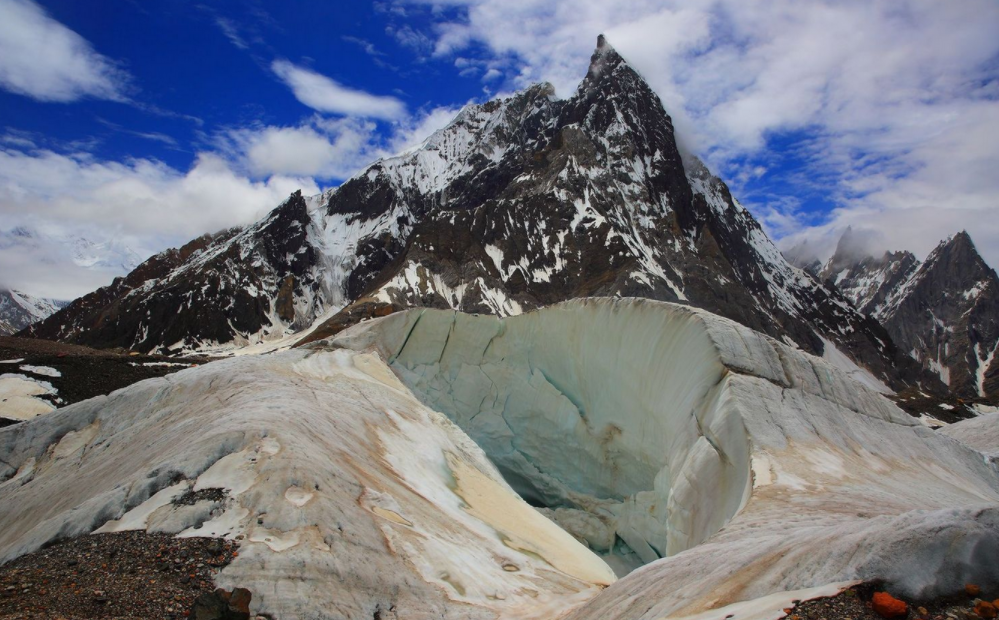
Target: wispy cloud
pixel 155 136
pixel 377 56
pixel 325 95
pixel 409 37
pixel 231 32
pixel 368 47
pixel 45 60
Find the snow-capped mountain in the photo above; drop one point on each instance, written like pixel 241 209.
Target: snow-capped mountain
pixel 517 203
pixel 944 311
pixel 18 310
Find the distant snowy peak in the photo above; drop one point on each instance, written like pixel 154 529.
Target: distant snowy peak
pixel 944 311
pixel 111 255
pixel 18 310
pixel 91 249
pixel 518 203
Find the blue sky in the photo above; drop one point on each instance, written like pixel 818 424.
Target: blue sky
pixel 140 125
pixel 195 70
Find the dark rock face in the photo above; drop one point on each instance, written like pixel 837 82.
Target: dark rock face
pixel 222 605
pixel 944 312
pixel 518 203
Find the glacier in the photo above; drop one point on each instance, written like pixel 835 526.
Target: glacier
pixel 406 466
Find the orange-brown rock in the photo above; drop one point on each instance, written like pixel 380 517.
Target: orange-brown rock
pixel 985 609
pixel 887 606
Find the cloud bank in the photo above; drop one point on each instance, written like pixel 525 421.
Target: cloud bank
pixel 150 204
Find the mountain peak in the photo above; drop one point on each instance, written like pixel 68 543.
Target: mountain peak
pixel 961 239
pixel 604 60
pixel 854 247
pixel 958 247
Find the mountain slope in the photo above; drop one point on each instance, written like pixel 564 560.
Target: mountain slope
pixel 19 310
pixel 518 203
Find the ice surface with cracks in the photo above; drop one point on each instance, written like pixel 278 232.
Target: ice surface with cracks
pixel 981 433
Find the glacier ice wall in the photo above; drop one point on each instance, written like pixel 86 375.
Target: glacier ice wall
pixel 623 409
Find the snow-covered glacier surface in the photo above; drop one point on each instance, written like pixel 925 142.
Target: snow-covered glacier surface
pixel 981 433
pixel 737 472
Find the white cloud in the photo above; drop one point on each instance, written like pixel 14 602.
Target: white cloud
pixel 41 58
pixel 46 270
pixel 896 100
pixel 325 148
pixel 319 147
pixel 140 196
pixel 324 95
pixel 416 129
